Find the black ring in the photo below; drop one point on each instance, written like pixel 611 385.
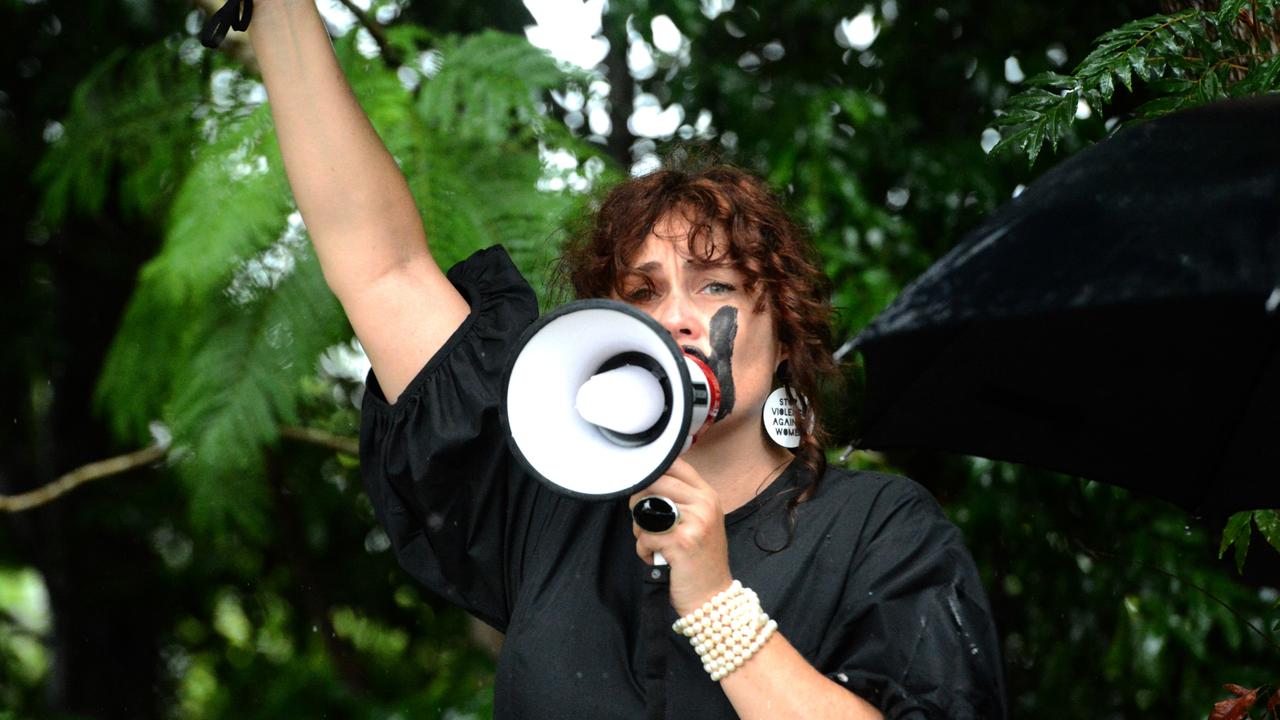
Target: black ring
pixel 655 514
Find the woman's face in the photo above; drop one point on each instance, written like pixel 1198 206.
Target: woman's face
pixel 709 314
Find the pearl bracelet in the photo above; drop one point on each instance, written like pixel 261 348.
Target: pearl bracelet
pixel 727 630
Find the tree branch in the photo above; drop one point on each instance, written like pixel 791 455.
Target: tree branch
pixel 140 458
pixel 323 438
pixel 81 475
pixel 389 54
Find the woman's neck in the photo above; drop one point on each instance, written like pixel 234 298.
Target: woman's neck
pixel 737 464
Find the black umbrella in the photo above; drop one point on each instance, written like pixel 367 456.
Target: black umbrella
pixel 1119 320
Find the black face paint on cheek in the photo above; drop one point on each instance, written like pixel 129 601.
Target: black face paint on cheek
pixel 724 330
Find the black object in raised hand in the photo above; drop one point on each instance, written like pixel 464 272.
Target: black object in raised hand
pixel 234 14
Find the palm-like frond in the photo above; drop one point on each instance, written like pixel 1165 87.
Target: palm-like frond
pixel 1185 58
pixel 232 204
pixel 131 114
pixel 229 318
pixel 241 382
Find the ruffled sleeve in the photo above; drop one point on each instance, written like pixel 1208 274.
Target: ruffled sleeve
pixel 436 464
pixel 915 633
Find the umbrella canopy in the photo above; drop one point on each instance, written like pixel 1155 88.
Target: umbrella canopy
pixel 1119 320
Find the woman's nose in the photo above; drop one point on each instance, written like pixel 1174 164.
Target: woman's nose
pixel 677 316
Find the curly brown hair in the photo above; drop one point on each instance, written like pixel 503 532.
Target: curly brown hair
pixel 762 242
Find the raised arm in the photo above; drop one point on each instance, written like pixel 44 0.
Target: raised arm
pixel 353 198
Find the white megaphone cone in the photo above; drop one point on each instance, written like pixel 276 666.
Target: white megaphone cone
pixel 598 400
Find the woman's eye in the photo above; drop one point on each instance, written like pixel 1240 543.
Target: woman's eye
pixel 639 295
pixel 719 288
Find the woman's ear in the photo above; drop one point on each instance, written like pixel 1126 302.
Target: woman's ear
pixel 782 373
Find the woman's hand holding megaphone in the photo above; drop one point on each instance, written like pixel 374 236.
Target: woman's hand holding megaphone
pixel 696 548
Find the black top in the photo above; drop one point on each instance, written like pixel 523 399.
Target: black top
pixel 873 586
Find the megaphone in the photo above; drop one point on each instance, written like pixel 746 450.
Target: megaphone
pixel 598 400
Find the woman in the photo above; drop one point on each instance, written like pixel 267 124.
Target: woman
pixel 878 609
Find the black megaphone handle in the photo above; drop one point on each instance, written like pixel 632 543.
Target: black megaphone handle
pixel 234 14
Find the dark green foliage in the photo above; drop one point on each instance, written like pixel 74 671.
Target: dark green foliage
pixel 132 115
pixel 1107 601
pixel 1240 527
pixel 232 314
pixel 1185 58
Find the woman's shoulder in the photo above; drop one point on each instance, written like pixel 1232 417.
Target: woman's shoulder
pixel 502 305
pixel 863 501
pixel 870 488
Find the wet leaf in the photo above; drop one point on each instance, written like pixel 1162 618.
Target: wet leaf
pixel 1237 707
pixel 1239 528
pixel 1268 522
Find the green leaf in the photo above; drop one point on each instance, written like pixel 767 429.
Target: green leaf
pixel 1262 78
pixel 1229 10
pixel 1123 73
pixel 1209 88
pixel 1237 532
pixel 1052 80
pixel 1138 62
pixel 1106 88
pixel 1268 522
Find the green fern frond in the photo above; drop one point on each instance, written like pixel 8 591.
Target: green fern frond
pixel 1187 58
pixel 154 338
pixel 233 203
pixel 237 344
pixel 1261 79
pixel 489 88
pixel 241 383
pixel 129 123
pixel 1036 116
pixel 1231 10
